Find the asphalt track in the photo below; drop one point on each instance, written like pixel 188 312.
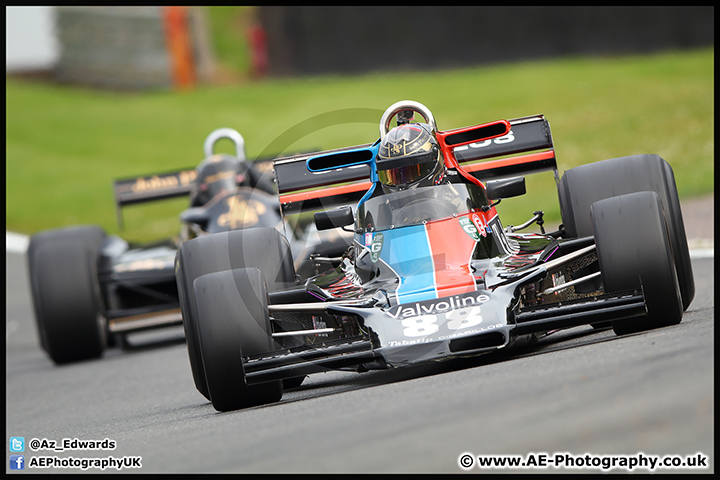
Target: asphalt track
pixel 581 392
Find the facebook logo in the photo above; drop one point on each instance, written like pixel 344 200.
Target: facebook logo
pixel 17 444
pixel 17 462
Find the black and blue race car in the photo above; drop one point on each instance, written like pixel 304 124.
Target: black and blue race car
pixel 432 273
pixel 90 290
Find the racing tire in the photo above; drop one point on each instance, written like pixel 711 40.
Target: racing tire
pixel 634 252
pixel 62 267
pixel 264 248
pixel 233 323
pixel 582 186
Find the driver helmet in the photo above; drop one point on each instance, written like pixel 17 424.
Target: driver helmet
pixel 409 157
pixel 218 174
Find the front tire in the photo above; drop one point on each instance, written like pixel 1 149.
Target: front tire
pixel 634 251
pixel 233 323
pixel 66 294
pixel 263 248
pixel 582 186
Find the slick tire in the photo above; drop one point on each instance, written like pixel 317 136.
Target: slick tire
pixel 582 186
pixel 263 248
pixel 233 323
pixel 634 252
pixel 62 266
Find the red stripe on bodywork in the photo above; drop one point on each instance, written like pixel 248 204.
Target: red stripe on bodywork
pixel 324 192
pixel 505 162
pixel 451 250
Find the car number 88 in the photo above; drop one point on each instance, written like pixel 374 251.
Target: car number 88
pixel 423 325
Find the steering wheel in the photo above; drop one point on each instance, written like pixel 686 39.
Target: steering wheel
pixel 403 105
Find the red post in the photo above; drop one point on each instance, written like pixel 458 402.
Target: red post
pixel 258 51
pixel 177 32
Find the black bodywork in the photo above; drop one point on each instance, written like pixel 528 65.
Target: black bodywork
pixel 524 285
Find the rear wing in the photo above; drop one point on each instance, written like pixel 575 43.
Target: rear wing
pixel 302 189
pixel 498 157
pixel 149 188
pixel 527 148
pixel 159 186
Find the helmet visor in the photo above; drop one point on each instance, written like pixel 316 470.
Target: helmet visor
pixel 423 166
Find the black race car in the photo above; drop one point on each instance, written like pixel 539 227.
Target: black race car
pixel 90 289
pixel 432 273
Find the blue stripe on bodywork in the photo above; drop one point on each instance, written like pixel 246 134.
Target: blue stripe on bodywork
pixel 407 251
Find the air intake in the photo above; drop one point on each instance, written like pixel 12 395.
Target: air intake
pixel 476 342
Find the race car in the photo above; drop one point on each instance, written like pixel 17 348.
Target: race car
pixel 431 274
pixel 91 290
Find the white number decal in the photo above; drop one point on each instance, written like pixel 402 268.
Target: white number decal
pixel 497 141
pixel 505 138
pixel 420 326
pixel 423 325
pixel 465 318
pixel 480 144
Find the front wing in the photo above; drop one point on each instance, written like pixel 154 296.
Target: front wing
pixel 444 328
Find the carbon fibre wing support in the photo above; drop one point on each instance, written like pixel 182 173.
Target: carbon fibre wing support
pixel 526 149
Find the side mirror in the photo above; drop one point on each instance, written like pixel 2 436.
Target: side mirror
pixel 337 217
pixel 506 188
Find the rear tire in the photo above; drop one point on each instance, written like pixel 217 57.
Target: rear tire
pixel 634 251
pixel 264 248
pixel 66 294
pixel 582 186
pixel 233 323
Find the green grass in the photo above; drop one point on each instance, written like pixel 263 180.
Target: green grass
pixel 229 26
pixel 65 145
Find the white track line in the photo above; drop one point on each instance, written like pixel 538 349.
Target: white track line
pixel 16 243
